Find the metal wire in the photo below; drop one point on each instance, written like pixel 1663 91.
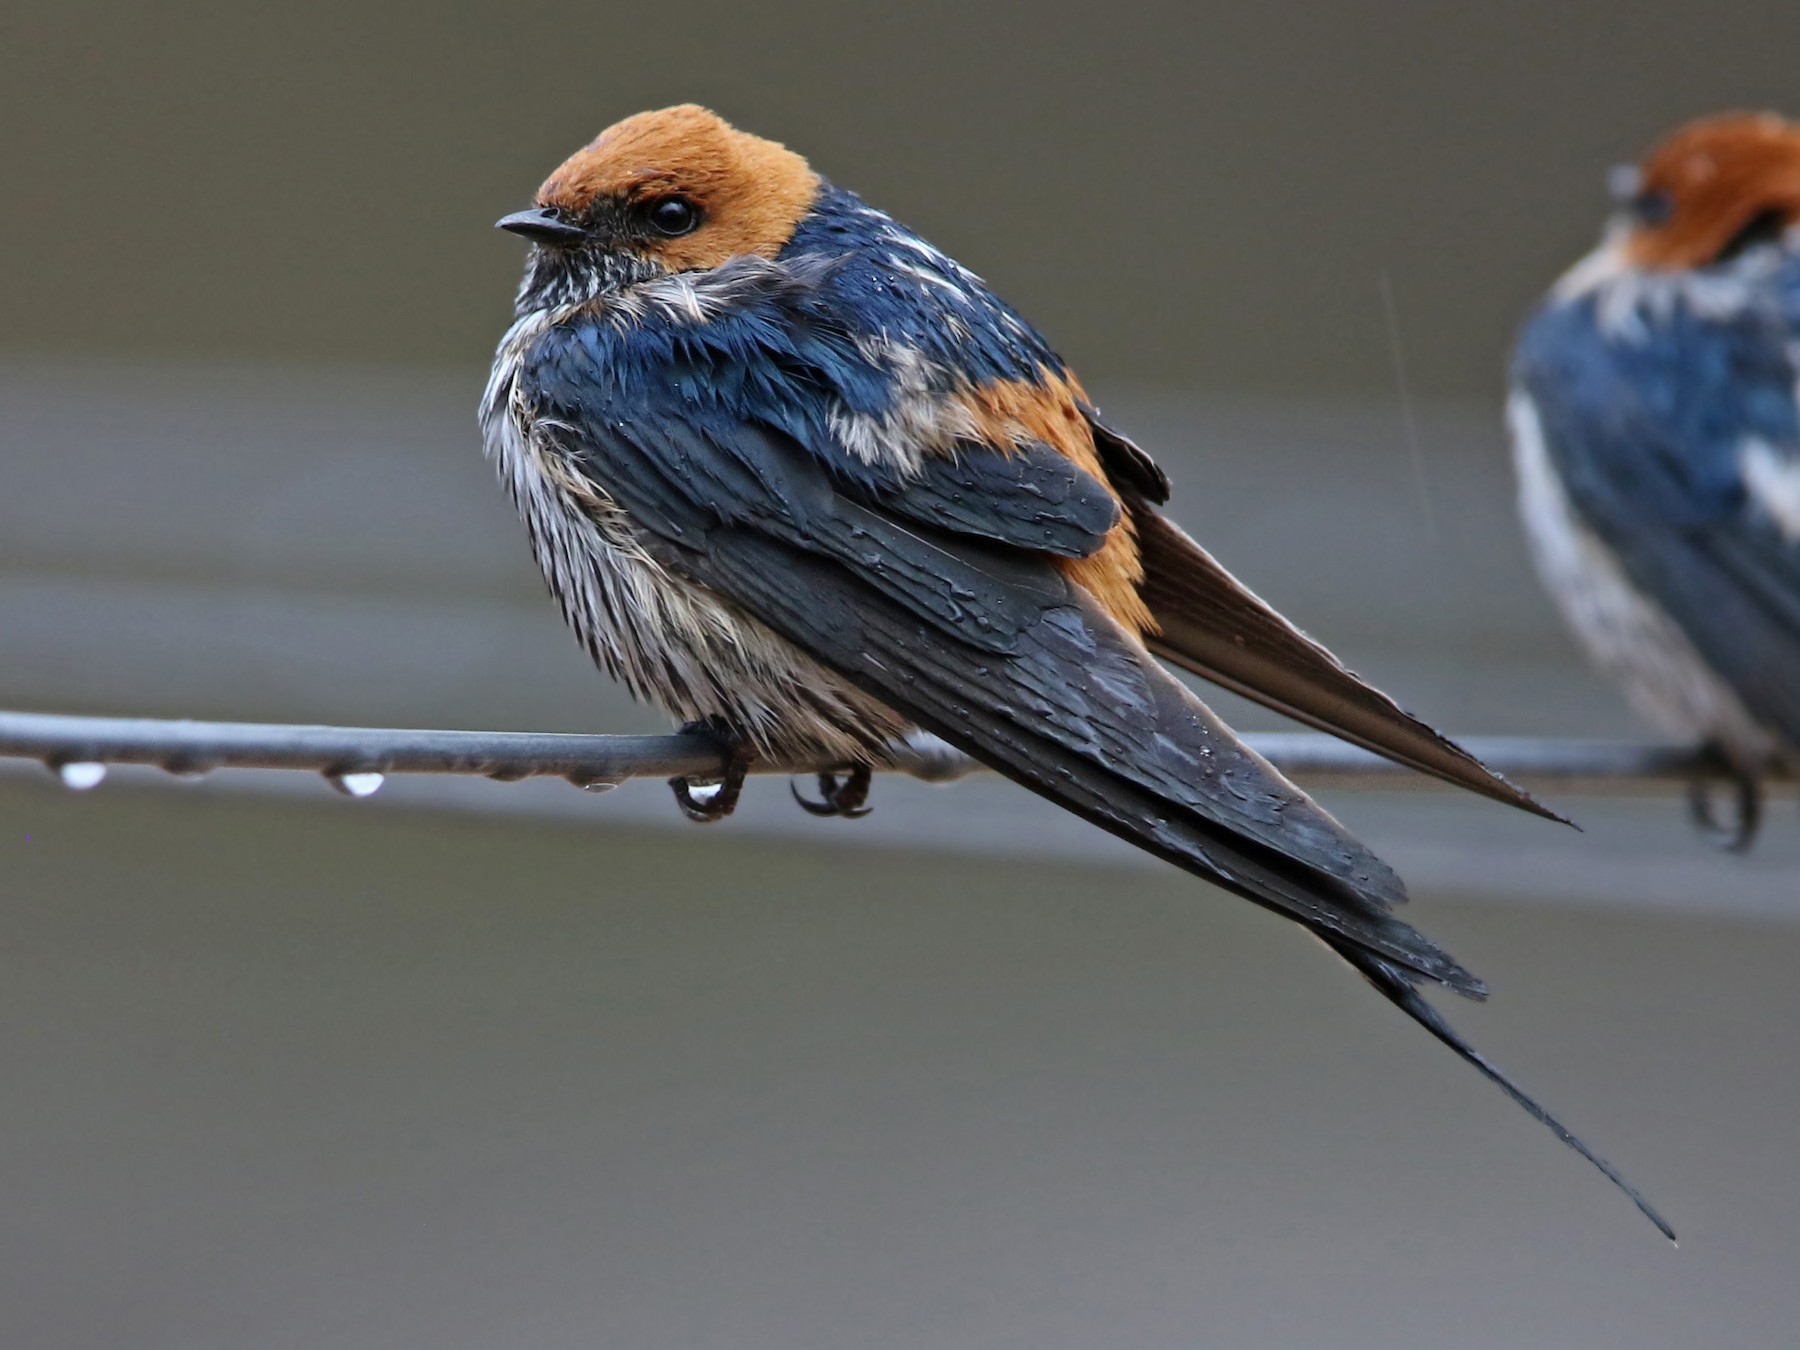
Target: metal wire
pixel 352 756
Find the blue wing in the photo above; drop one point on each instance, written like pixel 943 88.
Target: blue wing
pixel 946 604
pixel 1672 444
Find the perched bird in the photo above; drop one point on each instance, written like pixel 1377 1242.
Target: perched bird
pixel 1657 440
pixel 803 480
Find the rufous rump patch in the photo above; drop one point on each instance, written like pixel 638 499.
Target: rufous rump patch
pixel 1006 412
pixel 753 192
pixel 1719 175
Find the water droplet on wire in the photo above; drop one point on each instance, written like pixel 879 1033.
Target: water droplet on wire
pixel 82 774
pixel 595 782
pixel 356 784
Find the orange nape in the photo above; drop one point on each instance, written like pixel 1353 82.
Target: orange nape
pixel 1714 179
pixel 752 192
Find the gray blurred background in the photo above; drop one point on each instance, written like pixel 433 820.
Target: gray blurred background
pixel 473 1065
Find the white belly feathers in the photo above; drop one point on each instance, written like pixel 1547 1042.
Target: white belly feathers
pixel 1626 632
pixel 671 641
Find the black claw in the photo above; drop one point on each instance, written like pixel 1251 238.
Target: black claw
pixel 841 796
pixel 1736 834
pixel 705 811
pixel 721 803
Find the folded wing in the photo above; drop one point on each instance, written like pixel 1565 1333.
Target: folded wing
pixel 942 597
pixel 1210 623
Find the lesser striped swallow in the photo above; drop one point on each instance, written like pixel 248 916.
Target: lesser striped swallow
pixel 1656 435
pixel 797 476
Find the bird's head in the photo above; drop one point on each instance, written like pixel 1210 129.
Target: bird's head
pixel 675 190
pixel 1711 190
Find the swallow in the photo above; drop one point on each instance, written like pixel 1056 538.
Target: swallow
pixel 807 483
pixel 1656 438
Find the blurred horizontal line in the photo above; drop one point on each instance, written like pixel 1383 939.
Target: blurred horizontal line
pixel 192 746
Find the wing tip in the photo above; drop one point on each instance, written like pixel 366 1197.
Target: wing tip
pixel 1485 781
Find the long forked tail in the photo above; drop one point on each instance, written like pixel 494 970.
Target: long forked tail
pixel 1397 987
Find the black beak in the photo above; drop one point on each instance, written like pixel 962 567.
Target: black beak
pixel 541 225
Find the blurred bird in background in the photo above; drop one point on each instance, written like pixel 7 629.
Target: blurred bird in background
pixel 1657 441
pixel 803 480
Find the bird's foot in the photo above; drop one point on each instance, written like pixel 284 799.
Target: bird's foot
pixel 1736 830
pixel 840 795
pixel 706 800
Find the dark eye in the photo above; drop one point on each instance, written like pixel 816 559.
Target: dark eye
pixel 673 216
pixel 1652 208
